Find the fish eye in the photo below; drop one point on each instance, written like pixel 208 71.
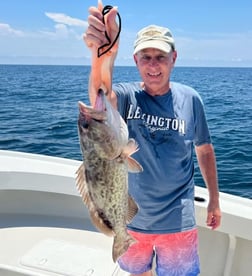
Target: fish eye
pixel 85 125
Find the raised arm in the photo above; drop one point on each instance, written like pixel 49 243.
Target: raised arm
pixel 95 37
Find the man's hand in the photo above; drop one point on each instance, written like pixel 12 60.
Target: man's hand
pixel 213 215
pixel 94 36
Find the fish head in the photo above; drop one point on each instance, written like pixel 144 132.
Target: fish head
pixel 101 128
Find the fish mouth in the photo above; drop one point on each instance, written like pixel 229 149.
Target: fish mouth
pixel 98 112
pixel 100 101
pixel 88 113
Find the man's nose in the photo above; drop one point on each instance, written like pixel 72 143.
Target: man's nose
pixel 153 61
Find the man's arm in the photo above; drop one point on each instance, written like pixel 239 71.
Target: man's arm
pixel 94 37
pixel 207 163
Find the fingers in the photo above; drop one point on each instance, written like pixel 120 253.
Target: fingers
pixel 113 28
pixel 101 27
pixel 93 36
pixel 95 18
pixel 111 18
pixel 100 5
pixel 213 220
pixel 95 32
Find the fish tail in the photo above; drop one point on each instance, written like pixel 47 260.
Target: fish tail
pixel 121 245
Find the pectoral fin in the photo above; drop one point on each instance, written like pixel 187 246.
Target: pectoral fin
pixel 132 209
pixel 133 165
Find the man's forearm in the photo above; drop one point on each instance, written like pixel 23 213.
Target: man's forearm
pixel 207 163
pixel 101 75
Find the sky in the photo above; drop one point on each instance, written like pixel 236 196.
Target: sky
pixel 206 32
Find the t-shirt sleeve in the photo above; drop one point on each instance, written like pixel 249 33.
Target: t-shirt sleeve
pixel 202 134
pixel 122 92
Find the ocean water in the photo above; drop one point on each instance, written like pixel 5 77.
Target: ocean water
pixel 38 113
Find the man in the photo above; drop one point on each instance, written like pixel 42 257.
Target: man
pixel 166 119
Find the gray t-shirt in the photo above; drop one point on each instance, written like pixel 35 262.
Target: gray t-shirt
pixel 166 128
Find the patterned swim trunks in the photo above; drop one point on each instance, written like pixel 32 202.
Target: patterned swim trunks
pixel 176 254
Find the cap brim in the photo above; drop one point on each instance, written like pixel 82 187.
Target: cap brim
pixel 156 44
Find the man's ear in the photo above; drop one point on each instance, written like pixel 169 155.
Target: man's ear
pixel 135 59
pixel 174 56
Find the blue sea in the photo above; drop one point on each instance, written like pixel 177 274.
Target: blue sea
pixel 38 113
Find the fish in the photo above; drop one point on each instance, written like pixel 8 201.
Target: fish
pixel 102 178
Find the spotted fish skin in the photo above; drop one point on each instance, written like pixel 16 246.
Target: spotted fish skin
pixel 102 179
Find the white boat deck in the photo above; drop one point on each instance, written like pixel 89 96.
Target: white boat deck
pixel 55 251
pixel 45 228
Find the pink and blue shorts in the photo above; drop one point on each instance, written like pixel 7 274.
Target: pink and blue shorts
pixel 176 254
